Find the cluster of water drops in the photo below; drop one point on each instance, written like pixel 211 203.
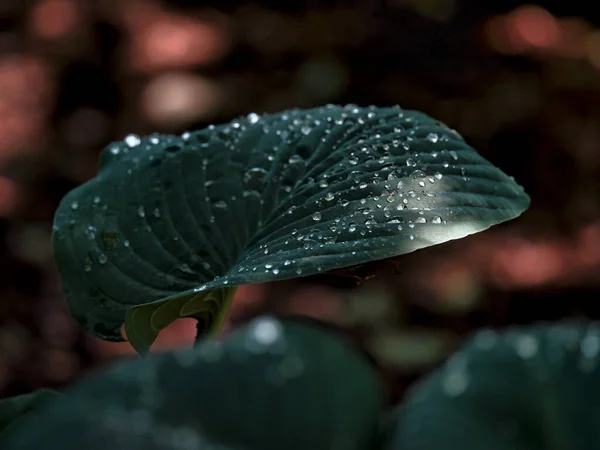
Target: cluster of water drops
pixel 346 173
pixel 377 152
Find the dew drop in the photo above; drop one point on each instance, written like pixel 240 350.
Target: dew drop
pixel 186 268
pixel 590 346
pixel 132 140
pixel 526 346
pixel 221 204
pixel 296 159
pixel 453 154
pixel 253 118
pixel 436 220
pixel 257 173
pixel 90 232
pixel 102 258
pixel 329 196
pixel 96 200
pixel 432 137
pixel 438 175
pixel 316 216
pixel 455 383
pixel 141 211
pixel 74 205
pixel 420 220
pixel 266 331
pixel 410 162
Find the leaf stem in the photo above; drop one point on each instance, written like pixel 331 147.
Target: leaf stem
pixel 225 298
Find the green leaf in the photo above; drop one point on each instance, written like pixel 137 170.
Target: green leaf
pixel 14 408
pixel 531 388
pixel 144 322
pixel 263 199
pixel 272 385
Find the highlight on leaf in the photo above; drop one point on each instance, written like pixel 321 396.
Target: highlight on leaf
pixel 169 219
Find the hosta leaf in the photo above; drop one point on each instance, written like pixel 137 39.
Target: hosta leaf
pixel 272 385
pixel 14 408
pixel 262 199
pixel 532 388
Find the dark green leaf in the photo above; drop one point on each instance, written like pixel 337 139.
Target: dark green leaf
pixel 272 385
pixel 263 199
pixel 532 388
pixel 14 408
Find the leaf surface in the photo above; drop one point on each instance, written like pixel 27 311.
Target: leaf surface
pixel 531 388
pixel 262 199
pixel 271 385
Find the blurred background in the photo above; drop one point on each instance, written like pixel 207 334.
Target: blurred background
pixel 520 82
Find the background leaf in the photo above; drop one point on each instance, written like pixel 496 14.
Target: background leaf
pixel 267 198
pixel 14 408
pixel 272 385
pixel 531 388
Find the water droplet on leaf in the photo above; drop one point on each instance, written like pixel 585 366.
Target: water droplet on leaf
pixel 432 137
pixel 132 140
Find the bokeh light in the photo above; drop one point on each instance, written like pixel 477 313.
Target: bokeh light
pixel 55 19
pixel 162 40
pixel 177 99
